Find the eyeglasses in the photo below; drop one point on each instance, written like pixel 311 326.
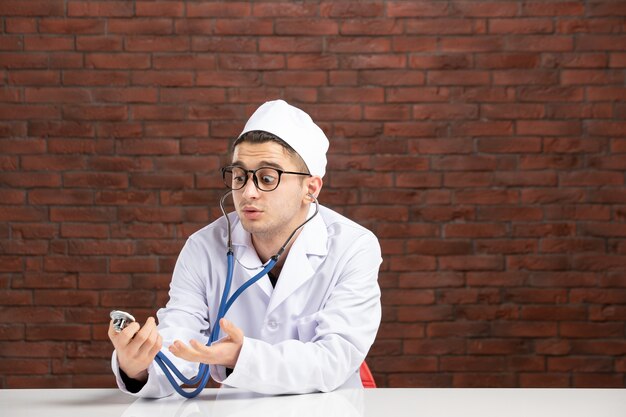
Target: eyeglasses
pixel 265 178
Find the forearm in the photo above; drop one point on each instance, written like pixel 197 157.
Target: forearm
pixel 294 367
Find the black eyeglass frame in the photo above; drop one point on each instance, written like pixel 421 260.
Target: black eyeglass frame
pixel 280 172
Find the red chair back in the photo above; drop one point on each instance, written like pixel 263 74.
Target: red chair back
pixel 366 376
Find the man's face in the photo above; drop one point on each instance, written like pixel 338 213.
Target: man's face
pixel 272 213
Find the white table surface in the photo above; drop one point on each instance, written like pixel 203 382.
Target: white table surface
pixel 396 402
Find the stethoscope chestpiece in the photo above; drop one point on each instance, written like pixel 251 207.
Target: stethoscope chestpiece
pixel 121 319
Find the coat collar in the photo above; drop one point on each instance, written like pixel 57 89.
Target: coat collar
pixel 302 260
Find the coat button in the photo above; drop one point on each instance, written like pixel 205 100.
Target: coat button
pixel 272 325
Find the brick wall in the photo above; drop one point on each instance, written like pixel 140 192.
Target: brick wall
pixel 483 141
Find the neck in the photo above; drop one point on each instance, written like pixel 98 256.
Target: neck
pixel 266 251
pixel 268 244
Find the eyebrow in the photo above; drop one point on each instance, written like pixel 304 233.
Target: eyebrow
pixel 261 164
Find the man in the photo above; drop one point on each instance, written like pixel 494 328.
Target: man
pixel 305 327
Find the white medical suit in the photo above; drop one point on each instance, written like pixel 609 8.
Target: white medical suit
pixel 310 333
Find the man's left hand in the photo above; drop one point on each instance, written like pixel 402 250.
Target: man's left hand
pixel 225 352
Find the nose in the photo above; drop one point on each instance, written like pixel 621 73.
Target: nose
pixel 249 190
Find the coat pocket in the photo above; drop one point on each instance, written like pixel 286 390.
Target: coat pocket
pixel 306 328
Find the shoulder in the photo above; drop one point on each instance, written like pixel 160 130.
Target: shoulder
pixel 211 234
pixel 341 228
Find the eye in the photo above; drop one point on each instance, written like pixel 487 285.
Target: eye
pixel 267 176
pixel 239 176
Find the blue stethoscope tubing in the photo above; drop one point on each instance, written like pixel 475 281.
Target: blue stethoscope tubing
pixel 225 303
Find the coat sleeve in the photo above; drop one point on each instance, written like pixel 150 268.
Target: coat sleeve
pixel 185 317
pixel 339 335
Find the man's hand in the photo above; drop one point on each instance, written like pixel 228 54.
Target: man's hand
pixel 136 347
pixel 225 352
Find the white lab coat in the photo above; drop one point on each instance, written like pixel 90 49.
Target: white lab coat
pixel 310 333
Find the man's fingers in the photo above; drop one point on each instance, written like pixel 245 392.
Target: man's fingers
pixel 122 338
pixel 157 346
pixel 148 344
pixel 142 335
pixel 189 353
pixel 111 333
pixel 234 332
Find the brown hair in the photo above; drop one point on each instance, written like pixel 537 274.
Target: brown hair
pixel 260 136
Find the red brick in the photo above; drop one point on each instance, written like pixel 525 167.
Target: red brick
pixel 149 147
pixel 99 43
pixel 363 26
pixel 565 8
pixel 74 264
pixel 575 60
pixel 377 213
pixel 498 347
pixel 290 44
pixel 594 380
pixel 386 112
pixel 487 8
pixel 374 61
pixel 464 297
pixel 593 178
pixel 98 112
pixel 117 61
pixel 501 279
pixel 433 347
pixel 156 26
pixel 14 60
pixel 601 8
pixel 551 94
pixel 72 26
pixel 525 77
pixel 507 60
pixel 617 60
pixel 600 43
pixel 587 77
pixel 467 329
pixel 58 332
pixel 413 263
pixel 149 214
pixel 125 197
pixel 522 329
pixel 424 380
pixel 419 9
pixel 464 364
pixel 20 25
pixel 305 27
pixel 100 8
pixel 521 25
pixel 439 26
pixel 159 9
pixel 32 8
pixel 312 62
pixel 24 366
pixel 506 247
pixel 554 313
pixel 34 77
pixel 538 262
pixel 358 44
pixel 450 61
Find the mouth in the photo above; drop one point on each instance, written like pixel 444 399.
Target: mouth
pixel 251 213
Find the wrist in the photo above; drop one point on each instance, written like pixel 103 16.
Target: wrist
pixel 141 376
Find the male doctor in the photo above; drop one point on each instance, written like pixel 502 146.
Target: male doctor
pixel 305 327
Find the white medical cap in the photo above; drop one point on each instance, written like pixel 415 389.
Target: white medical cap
pixel 296 128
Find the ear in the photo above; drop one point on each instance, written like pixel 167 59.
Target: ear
pixel 314 186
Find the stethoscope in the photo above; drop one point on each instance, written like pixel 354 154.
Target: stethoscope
pixel 225 303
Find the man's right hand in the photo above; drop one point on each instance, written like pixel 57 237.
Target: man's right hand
pixel 136 347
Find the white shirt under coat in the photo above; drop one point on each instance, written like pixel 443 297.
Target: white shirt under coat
pixel 310 333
